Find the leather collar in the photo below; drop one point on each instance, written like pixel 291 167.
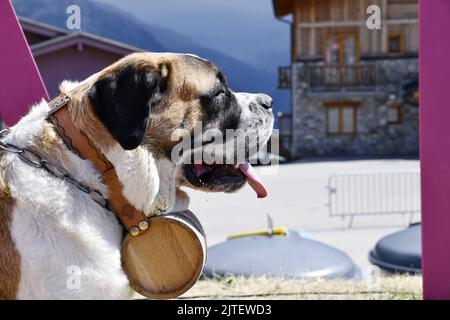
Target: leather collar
pixel 133 220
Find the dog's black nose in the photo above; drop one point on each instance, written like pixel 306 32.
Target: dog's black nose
pixel 265 101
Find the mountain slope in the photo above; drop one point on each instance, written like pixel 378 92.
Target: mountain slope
pixel 109 22
pixel 246 30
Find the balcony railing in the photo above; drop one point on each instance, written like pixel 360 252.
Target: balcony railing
pixel 332 78
pixel 284 77
pixel 355 77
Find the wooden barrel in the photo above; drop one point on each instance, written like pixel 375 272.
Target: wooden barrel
pixel 167 259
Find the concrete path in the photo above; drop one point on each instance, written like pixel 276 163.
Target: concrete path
pixel 298 200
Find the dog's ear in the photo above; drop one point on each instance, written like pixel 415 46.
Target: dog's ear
pixel 122 101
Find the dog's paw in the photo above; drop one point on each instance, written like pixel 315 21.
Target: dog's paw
pixel 160 207
pixel 157 212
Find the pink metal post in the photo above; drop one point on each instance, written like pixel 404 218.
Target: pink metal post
pixel 435 146
pixel 20 82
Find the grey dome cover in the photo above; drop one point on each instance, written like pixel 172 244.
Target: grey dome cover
pixel 400 251
pixel 287 256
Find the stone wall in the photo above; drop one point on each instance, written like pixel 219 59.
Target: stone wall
pixel 374 135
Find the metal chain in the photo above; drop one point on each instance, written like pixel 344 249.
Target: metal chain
pixel 35 159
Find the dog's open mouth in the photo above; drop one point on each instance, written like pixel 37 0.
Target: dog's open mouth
pixel 224 177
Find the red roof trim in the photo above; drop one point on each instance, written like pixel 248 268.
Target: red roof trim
pixel 76 39
pixel 61 39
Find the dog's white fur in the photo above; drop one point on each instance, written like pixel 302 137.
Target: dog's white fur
pixel 69 246
pixel 133 168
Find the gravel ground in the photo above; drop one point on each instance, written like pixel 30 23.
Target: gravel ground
pixel 391 288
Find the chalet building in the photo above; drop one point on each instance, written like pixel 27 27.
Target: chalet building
pixel 61 54
pixel 354 90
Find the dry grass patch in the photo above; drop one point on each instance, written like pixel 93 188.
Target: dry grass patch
pixel 386 288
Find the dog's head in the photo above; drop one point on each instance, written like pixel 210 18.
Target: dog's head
pixel 146 97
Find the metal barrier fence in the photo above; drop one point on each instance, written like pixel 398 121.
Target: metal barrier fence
pixel 373 193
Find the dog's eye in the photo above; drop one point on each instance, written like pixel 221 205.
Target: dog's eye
pixel 219 93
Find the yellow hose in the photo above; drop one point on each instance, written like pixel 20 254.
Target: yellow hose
pixel 277 231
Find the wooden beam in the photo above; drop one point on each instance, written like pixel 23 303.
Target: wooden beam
pixel 21 83
pixel 434 152
pixel 363 31
pixel 352 23
pixel 384 29
pixel 345 9
pixel 312 35
pixel 295 34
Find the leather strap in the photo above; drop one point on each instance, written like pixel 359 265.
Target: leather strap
pixel 134 220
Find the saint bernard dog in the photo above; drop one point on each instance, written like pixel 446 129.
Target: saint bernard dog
pixel 129 111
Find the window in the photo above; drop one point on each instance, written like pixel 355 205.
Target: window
pixel 341 49
pixel 395 43
pixel 393 114
pixel 341 118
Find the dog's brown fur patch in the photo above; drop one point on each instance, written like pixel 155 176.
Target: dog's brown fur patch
pixel 51 146
pixel 84 118
pixel 9 256
pixel 180 105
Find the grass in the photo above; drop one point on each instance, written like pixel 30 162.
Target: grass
pixel 398 287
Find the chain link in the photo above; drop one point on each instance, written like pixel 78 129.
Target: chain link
pixel 35 159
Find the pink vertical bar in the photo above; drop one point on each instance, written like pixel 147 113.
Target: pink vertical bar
pixel 20 82
pixel 434 75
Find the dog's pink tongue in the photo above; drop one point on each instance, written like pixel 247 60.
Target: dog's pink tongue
pixel 253 180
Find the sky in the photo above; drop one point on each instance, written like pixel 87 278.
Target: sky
pixel 244 29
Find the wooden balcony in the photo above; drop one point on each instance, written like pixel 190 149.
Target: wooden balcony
pixel 331 78
pixel 340 78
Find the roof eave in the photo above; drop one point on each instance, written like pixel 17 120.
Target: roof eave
pixel 275 8
pixel 78 38
pixel 278 4
pixel 41 28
